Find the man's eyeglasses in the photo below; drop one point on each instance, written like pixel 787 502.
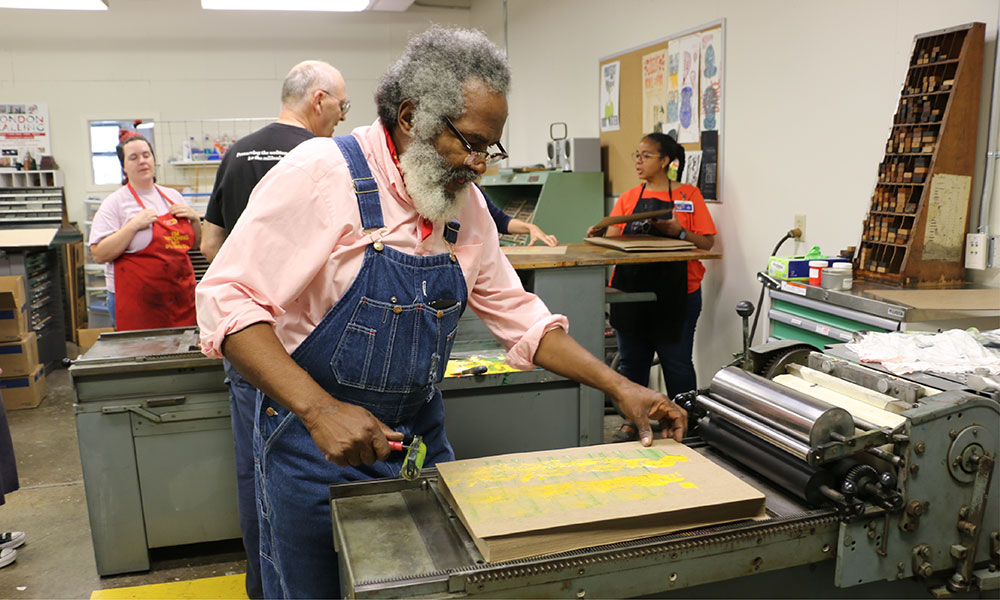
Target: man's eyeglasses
pixel 477 156
pixel 644 157
pixel 345 105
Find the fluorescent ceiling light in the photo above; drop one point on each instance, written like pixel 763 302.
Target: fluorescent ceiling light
pixel 310 5
pixel 56 4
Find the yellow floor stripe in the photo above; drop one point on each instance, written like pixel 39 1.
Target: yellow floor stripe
pixel 225 586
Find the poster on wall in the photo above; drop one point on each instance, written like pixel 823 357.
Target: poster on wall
pixel 673 90
pixel 708 179
pixel 688 112
pixel 711 80
pixel 654 92
pixel 610 82
pixel 24 129
pixel 692 167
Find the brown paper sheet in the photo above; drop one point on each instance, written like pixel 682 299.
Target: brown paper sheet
pixel 640 243
pixel 534 503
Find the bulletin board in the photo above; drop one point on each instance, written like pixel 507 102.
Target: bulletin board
pixel 674 85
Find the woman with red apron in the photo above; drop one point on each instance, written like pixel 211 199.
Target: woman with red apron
pixel 154 285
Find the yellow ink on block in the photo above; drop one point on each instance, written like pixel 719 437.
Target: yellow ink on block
pixel 547 484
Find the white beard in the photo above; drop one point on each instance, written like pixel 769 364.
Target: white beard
pixel 425 174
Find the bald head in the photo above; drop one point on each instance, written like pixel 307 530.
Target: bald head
pixel 314 96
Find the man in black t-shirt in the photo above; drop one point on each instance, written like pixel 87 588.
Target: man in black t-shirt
pixel 313 101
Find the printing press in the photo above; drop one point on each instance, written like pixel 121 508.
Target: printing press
pixel 901 501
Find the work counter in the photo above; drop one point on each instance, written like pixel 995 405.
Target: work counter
pixel 821 316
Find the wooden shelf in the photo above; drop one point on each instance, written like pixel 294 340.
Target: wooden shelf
pixel 868 241
pixel 195 163
pixel 931 214
pixel 890 213
pixel 921 94
pixel 936 62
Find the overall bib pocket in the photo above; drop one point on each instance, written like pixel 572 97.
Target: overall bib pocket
pixel 396 348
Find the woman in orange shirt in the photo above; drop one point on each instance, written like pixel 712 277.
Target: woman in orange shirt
pixel 665 326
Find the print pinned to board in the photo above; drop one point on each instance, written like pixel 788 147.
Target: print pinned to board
pixel 673 91
pixel 692 167
pixel 689 53
pixel 654 92
pixel 711 80
pixel 610 82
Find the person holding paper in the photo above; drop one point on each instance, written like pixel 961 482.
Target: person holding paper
pixel 665 326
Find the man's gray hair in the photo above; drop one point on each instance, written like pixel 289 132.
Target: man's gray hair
pixel 304 78
pixel 433 72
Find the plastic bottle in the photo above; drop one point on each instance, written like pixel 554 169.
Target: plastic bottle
pixel 186 148
pixel 816 268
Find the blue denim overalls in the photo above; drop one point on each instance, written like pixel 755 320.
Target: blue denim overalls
pixel 383 347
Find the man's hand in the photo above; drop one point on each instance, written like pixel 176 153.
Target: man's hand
pixel 561 354
pixel 669 227
pixel 596 231
pixel 640 404
pixel 347 434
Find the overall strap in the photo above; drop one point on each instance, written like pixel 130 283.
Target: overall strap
pixel 365 186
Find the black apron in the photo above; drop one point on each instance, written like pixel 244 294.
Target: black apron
pixel 662 319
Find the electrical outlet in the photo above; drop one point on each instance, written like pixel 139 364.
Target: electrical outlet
pixel 800 224
pixel 976 250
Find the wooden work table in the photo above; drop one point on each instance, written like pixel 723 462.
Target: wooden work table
pixel 590 255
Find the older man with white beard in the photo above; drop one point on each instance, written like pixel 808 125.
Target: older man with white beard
pixel 338 295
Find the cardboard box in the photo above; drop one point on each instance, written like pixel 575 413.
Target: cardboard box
pixel 23 391
pixel 19 357
pixel 795 268
pixel 13 308
pixel 88 337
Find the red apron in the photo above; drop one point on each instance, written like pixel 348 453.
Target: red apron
pixel 154 287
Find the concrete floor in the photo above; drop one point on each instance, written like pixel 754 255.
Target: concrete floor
pixel 57 561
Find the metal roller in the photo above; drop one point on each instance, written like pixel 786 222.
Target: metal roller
pixel 756 428
pixel 808 483
pixel 798 412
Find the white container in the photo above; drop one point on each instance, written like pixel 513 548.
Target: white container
pixel 839 276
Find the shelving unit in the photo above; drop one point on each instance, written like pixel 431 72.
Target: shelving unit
pixel 197 172
pixel 34 230
pixel 914 233
pixel 31 179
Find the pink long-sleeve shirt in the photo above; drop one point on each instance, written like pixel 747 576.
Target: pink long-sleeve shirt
pixel 299 245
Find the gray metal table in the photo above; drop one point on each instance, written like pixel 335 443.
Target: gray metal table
pixel 152 418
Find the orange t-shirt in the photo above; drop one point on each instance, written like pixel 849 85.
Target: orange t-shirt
pixel 697 220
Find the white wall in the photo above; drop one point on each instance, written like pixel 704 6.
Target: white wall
pixel 171 60
pixel 810 90
pixel 811 87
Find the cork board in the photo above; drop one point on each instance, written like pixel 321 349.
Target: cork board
pixel 618 145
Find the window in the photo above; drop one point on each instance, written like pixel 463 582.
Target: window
pixel 103 140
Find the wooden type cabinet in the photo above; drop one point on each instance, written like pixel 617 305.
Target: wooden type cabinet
pixel 914 233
